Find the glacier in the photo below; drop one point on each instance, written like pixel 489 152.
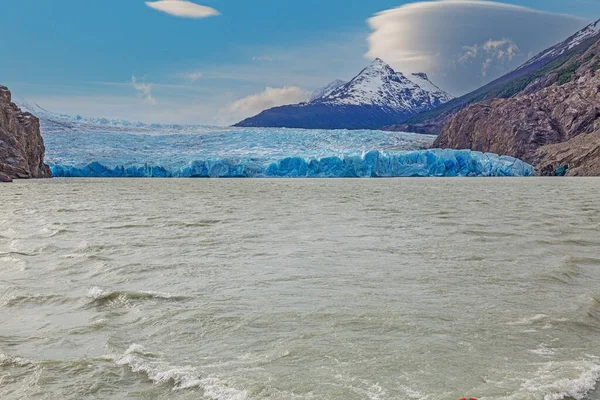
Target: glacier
pixel 374 164
pixel 205 152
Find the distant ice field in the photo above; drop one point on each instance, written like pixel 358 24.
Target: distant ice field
pixel 179 148
pixel 252 152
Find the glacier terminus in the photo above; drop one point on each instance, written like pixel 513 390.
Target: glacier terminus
pixel 265 153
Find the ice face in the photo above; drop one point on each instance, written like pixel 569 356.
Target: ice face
pixel 266 153
pixel 180 147
pixel 374 164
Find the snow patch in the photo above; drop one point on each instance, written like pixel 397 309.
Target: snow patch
pixel 326 90
pixel 586 33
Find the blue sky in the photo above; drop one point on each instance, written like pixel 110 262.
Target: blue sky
pixel 80 56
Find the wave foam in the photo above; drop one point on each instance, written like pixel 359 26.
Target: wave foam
pixel 561 380
pixel 161 373
pixel 6 360
pixel 101 295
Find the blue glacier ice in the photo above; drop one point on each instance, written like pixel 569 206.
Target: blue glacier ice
pixel 245 152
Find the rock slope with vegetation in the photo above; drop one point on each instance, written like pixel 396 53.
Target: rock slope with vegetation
pixel 552 122
pixel 510 85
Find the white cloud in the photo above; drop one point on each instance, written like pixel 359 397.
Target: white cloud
pixel 144 90
pixel 183 8
pixel 499 52
pixel 463 44
pixel 193 76
pixel 262 58
pixel 271 97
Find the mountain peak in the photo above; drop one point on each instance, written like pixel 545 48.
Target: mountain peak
pixel 377 68
pixel 595 25
pixel 373 98
pixel 379 85
pixel 591 30
pixel 326 90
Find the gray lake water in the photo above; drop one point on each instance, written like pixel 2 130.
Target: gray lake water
pixel 300 289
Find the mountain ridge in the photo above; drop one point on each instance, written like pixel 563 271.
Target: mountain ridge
pixel 553 122
pixel 376 96
pixel 327 89
pixel 432 121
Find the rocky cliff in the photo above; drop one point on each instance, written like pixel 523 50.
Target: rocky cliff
pixel 553 123
pixel 579 156
pixel 21 144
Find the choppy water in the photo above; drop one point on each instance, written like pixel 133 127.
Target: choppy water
pixel 302 289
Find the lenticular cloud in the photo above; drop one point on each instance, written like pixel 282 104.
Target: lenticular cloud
pixel 182 8
pixel 463 44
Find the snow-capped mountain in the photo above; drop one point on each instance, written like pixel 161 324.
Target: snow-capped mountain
pixel 49 116
pixel 325 90
pixel 58 122
pixel 380 85
pixel 52 122
pixel 590 33
pixel 436 95
pixel 376 97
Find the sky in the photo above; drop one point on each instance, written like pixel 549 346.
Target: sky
pixel 218 61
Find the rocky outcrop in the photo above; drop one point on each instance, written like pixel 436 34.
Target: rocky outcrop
pixel 556 108
pixel 426 125
pixel 579 156
pixel 21 144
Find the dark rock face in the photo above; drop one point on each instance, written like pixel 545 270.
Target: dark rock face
pixel 21 144
pixel 555 109
pixel 579 156
pixel 427 126
pixel 324 116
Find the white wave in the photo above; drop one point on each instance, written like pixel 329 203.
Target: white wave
pixel 99 323
pixel 9 233
pixel 10 261
pixel 376 392
pixel 6 360
pixel 414 394
pixel 181 377
pixel 529 320
pixel 43 232
pixel 543 350
pixel 561 380
pixel 97 293
pixel 215 389
pixel 161 295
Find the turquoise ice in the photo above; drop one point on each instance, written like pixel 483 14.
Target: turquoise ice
pixel 270 153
